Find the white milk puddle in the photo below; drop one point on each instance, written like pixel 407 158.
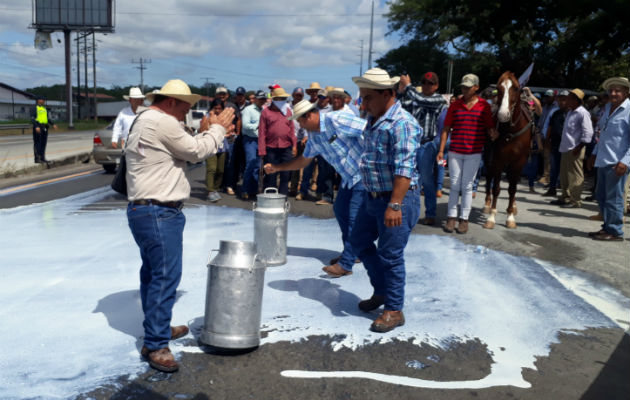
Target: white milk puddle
pixel 71 318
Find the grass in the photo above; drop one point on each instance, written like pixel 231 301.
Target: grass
pixel 82 125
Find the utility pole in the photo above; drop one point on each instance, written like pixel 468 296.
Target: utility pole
pixel 67 43
pixel 142 67
pixel 78 78
pixel 85 60
pixel 361 63
pixel 207 85
pixel 94 72
pixel 371 32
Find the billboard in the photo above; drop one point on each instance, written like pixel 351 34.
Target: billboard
pixel 88 15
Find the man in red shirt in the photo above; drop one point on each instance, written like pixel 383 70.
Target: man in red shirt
pixel 471 121
pixel 277 142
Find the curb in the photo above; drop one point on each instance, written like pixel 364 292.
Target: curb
pixel 73 159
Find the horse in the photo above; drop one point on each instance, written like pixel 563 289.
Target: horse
pixel 510 150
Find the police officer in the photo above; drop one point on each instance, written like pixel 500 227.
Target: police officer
pixel 40 119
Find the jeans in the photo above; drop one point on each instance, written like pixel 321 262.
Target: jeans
pixel 425 158
pixel 610 198
pixel 346 207
pixel 385 264
pixel 252 165
pixel 278 156
pixel 306 178
pixel 462 168
pixel 480 170
pixel 228 171
pixel 555 169
pixel 158 231
pixel 531 169
pixel 325 178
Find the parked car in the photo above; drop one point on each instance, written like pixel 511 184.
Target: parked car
pixel 103 151
pixel 193 119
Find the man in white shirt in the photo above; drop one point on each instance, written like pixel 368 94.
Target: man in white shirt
pixel 126 116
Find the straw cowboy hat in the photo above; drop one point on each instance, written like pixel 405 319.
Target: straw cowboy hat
pixel 337 92
pixel 617 81
pixel 314 87
pixel 279 92
pixel 301 108
pixel 577 93
pixel 177 89
pixel 375 78
pixel 134 93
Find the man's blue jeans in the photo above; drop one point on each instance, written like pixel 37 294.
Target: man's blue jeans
pixel 158 231
pixel 385 263
pixel 346 207
pixel 425 158
pixel 278 156
pixel 609 194
pixel 252 165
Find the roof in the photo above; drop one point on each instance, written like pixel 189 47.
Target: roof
pixel 23 93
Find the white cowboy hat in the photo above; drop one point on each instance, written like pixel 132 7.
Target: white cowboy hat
pixel 177 89
pixel 619 81
pixel 134 93
pixel 279 92
pixel 337 92
pixel 301 108
pixel 375 78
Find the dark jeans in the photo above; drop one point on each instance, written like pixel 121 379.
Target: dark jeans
pixel 158 231
pixel 229 174
pixel 307 174
pixel 531 169
pixel 555 169
pixel 425 158
pixel 252 165
pixel 610 198
pixel 385 263
pixel 346 207
pixel 278 156
pixel 325 178
pixel 39 143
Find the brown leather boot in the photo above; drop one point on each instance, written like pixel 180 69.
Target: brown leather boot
pixel 372 303
pixel 388 320
pixel 463 226
pixel 178 331
pixel 449 227
pixel 336 271
pixel 163 360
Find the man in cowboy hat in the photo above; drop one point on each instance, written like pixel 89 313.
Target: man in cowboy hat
pixel 611 156
pixel 312 91
pixel 338 138
pixel 392 206
pixel 576 134
pixel 126 116
pixel 426 106
pixel 157 150
pixel 277 142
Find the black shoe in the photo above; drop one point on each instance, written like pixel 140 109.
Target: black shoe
pixel 550 193
pixel 558 202
pixel 570 205
pixel 372 303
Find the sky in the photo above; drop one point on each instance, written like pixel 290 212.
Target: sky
pixel 71 285
pixel 247 43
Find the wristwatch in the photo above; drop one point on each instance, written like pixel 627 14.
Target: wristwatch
pixel 394 206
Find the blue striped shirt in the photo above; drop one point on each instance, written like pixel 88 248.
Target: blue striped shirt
pixel 614 139
pixel 391 144
pixel 340 142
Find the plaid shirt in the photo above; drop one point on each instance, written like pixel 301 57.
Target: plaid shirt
pixel 340 142
pixel 425 109
pixel 391 144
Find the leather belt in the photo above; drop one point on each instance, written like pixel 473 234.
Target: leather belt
pixel 386 195
pixel 148 202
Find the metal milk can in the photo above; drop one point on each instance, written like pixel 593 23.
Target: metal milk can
pixel 234 297
pixel 271 211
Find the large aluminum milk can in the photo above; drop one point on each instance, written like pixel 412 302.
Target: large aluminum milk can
pixel 234 297
pixel 271 210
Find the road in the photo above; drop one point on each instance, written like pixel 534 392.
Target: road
pixel 593 364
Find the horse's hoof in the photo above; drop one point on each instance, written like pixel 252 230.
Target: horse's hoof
pixel 486 209
pixel 488 225
pixel 510 224
pixel 515 212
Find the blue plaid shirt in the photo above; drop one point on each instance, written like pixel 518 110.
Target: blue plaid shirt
pixel 391 144
pixel 340 142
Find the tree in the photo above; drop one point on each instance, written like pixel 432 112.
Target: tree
pixel 576 43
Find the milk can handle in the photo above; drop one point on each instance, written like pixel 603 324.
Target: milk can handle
pixel 251 267
pixel 210 256
pixel 287 206
pixel 254 206
pixel 271 188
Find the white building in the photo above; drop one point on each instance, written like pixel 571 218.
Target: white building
pixel 16 104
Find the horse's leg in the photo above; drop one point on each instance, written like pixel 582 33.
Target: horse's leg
pixel 487 154
pixel 496 189
pixel 513 177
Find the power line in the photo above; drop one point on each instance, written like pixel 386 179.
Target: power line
pixel 142 67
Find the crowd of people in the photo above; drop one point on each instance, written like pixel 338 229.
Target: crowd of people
pixel 378 153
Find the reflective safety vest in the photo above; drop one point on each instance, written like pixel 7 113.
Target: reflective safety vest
pixel 42 115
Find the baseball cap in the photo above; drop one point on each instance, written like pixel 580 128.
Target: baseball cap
pixel 240 90
pixel 298 90
pixel 470 80
pixel 563 93
pixel 431 77
pixel 549 92
pixel 221 89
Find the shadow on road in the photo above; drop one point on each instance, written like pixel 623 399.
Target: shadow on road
pixel 323 255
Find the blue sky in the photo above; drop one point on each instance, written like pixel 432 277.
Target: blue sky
pixel 240 43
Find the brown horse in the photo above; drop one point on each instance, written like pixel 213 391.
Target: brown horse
pixel 510 151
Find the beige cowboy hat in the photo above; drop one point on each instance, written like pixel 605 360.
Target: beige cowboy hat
pixel 578 93
pixel 134 93
pixel 177 89
pixel 279 92
pixel 301 108
pixel 313 87
pixel 336 91
pixel 375 78
pixel 618 81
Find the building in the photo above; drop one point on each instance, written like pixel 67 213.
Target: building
pixel 16 104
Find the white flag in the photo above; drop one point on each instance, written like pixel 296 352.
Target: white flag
pixel 523 79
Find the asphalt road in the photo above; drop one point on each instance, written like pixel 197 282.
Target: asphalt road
pixel 593 365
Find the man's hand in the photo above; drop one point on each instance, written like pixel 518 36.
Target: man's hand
pixel 304 140
pixel 55 126
pixel 392 218
pixel 270 169
pixel 405 81
pixel 114 145
pixel 38 130
pixel 620 168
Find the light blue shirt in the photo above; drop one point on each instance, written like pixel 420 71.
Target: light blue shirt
pixel 614 136
pixel 545 118
pixel 251 117
pixel 578 128
pixel 340 142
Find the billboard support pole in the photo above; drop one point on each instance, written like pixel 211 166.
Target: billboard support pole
pixel 66 36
